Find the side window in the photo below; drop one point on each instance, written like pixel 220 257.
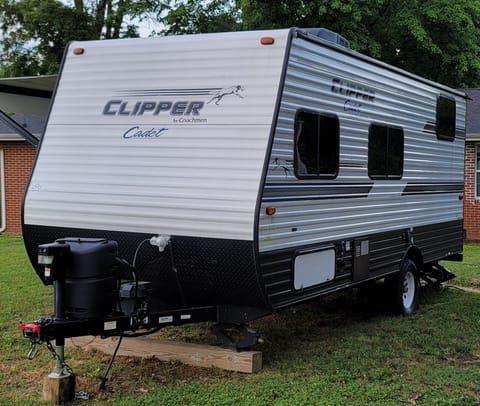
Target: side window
pixel 385 152
pixel 446 119
pixel 316 145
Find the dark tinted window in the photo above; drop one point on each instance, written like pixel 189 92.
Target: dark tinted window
pixel 445 119
pixel 385 152
pixel 317 145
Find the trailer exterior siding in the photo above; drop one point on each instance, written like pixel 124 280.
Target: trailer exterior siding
pixel 423 205
pixel 159 135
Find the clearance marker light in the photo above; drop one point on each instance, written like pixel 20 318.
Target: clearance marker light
pixel 267 40
pixel 78 51
pixel 270 211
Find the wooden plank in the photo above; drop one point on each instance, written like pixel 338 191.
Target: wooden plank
pixel 58 390
pixel 188 353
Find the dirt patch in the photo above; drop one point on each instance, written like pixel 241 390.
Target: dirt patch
pixel 464 288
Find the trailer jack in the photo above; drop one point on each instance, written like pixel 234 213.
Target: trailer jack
pixel 60 383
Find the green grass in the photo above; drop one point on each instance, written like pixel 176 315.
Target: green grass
pixel 336 351
pixel 468 271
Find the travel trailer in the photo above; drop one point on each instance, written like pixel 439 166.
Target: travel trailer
pixel 224 177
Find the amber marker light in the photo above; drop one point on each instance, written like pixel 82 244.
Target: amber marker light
pixel 270 211
pixel 267 40
pixel 78 51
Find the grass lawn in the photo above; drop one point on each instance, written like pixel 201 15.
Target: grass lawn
pixel 340 350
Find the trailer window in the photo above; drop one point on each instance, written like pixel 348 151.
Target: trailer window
pixel 317 145
pixel 385 152
pixel 445 119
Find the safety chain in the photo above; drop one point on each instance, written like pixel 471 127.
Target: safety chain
pixel 79 395
pixel 64 365
pixel 82 395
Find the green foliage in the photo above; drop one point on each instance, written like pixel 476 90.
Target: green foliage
pixel 437 39
pixel 192 17
pixel 36 32
pixel 350 18
pixel 467 272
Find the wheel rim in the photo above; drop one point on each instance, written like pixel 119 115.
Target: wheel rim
pixel 409 287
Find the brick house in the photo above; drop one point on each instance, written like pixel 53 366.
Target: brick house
pixel 26 101
pixel 471 201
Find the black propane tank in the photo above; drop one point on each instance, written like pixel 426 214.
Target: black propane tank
pixel 88 270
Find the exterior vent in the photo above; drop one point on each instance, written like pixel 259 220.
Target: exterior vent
pixel 328 36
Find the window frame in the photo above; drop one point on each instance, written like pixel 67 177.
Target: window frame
pixel 441 136
pixel 296 153
pixel 388 127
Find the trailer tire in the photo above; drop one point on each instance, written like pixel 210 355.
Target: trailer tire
pixel 406 286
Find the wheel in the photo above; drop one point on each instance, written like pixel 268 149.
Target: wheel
pixel 405 286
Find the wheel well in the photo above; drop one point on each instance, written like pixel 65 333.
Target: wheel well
pixel 415 255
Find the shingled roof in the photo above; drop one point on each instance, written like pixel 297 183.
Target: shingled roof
pixel 32 123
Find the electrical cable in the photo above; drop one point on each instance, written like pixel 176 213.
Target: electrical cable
pixel 134 272
pixel 104 380
pixel 175 271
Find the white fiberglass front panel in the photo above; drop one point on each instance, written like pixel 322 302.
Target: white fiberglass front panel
pixel 159 135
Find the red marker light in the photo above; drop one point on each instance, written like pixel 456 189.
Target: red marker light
pixel 270 211
pixel 267 40
pixel 78 51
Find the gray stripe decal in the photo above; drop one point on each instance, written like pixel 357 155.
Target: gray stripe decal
pixel 169 92
pixel 432 188
pixel 281 192
pixel 430 127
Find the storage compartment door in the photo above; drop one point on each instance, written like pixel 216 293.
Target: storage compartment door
pixel 314 268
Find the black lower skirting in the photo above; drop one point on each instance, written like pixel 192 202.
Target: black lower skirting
pixel 209 271
pixel 232 274
pixel 386 252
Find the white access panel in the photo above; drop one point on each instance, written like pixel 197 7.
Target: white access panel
pixel 314 268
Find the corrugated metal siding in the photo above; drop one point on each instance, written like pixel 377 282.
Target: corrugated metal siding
pixel 194 179
pixel 399 101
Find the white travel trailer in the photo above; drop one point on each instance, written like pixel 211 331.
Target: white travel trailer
pixel 227 176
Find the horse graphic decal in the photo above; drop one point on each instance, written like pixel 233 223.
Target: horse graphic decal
pixel 227 91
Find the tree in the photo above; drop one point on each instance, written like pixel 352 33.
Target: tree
pixel 36 32
pixel 438 39
pixel 193 16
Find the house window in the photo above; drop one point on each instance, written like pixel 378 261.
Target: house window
pixel 477 172
pixel 317 145
pixel 385 152
pixel 446 119
pixel 3 214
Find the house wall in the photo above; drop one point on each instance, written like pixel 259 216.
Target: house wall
pixel 18 160
pixel 471 204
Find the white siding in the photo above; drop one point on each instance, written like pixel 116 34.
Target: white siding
pixel 399 101
pixel 194 179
